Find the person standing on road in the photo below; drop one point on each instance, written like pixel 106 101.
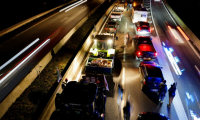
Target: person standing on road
pixel 120 94
pixel 172 94
pixel 127 37
pixel 162 91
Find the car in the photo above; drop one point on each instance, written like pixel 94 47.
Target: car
pixel 121 6
pixel 116 16
pixel 142 28
pixel 152 116
pixel 151 76
pixel 118 10
pixel 111 27
pixel 144 49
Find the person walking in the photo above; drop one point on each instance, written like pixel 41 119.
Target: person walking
pixel 162 90
pixel 172 94
pixel 120 94
pixel 127 38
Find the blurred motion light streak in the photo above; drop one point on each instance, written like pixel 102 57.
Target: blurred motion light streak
pixel 172 61
pixel 14 69
pixel 76 5
pixel 184 35
pixel 18 54
pixel 70 5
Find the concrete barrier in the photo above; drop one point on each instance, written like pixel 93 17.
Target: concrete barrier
pixel 76 66
pixel 10 99
pixel 10 29
pixel 188 32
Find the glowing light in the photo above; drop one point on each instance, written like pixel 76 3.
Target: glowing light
pixel 110 41
pixel 172 31
pixel 18 54
pixel 184 35
pixel 76 5
pixel 70 6
pixel 173 62
pixel 29 56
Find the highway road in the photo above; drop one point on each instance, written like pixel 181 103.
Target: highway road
pixel 186 102
pixel 53 27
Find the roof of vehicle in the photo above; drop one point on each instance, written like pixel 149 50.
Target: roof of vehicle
pixel 117 10
pixel 79 93
pixel 103 37
pixel 139 8
pixel 151 116
pixel 115 13
pixel 154 70
pixel 146 47
pixel 112 23
pixel 142 40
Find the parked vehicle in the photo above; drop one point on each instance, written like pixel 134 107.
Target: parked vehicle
pixel 145 50
pixel 142 28
pixel 116 16
pixel 111 27
pixel 121 6
pixel 102 54
pixel 151 76
pixel 80 100
pixel 151 116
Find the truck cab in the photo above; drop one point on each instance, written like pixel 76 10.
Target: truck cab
pixel 103 46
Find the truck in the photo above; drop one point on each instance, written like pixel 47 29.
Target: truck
pixel 144 49
pixel 82 100
pixel 101 58
pixel 139 13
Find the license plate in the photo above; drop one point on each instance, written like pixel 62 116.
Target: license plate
pixel 154 90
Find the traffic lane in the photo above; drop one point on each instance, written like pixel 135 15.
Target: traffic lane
pixel 140 101
pixel 45 29
pixel 58 35
pixel 188 82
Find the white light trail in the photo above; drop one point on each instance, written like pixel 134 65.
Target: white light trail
pixel 75 5
pixel 173 62
pixel 18 54
pixel 70 5
pixel 16 68
pixel 197 69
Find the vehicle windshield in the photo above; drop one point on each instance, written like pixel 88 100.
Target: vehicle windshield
pixel 103 45
pixel 154 71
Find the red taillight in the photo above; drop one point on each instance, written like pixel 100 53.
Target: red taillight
pixel 156 54
pixel 115 29
pixel 149 29
pixel 106 28
pixel 138 29
pixel 139 53
pixel 144 82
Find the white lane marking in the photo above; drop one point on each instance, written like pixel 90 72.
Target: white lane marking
pixel 126 26
pixel 63 19
pixel 19 65
pixel 197 69
pixel 70 6
pixel 169 14
pixel 37 24
pixel 123 77
pixel 178 105
pixel 18 54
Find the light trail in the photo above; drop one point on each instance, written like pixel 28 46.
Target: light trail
pixel 181 31
pixel 70 5
pixel 76 5
pixel 18 54
pixel 30 55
